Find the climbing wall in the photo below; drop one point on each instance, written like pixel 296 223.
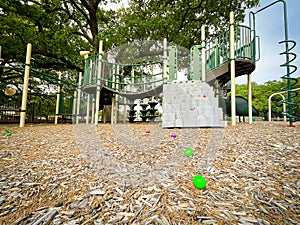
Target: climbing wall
pixel 190 104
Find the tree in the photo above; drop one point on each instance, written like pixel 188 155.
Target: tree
pixel 261 94
pixel 178 21
pixel 59 29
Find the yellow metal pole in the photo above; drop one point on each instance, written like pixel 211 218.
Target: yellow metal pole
pixel 117 96
pixel 87 119
pixel 74 107
pixel 215 52
pixel 232 69
pixel 93 109
pixel 98 90
pixel 125 110
pixel 165 59
pixel 203 53
pixel 284 105
pixel 25 86
pixel 57 99
pixel 78 98
pixel 153 80
pixel 112 110
pixel 249 99
pixel 132 80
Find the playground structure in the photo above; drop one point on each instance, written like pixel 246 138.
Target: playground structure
pixel 281 93
pixel 216 61
pixel 108 85
pixel 189 103
pixel 12 106
pixel 289 58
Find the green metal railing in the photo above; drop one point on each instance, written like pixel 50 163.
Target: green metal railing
pixel 145 76
pixel 52 79
pixel 91 70
pixel 217 50
pixel 126 78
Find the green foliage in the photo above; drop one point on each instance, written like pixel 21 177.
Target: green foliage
pixel 178 21
pixel 261 93
pixel 59 29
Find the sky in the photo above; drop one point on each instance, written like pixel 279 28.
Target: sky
pixel 270 29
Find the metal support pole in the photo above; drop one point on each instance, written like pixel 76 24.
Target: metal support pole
pixel 203 54
pixel 132 80
pixel 57 99
pixel 78 98
pixel 153 81
pixel 117 96
pixel 112 110
pixel 125 110
pixel 232 69
pixel 284 110
pixel 290 106
pixel 165 59
pixel 98 90
pixel 217 88
pixel 216 53
pixel 104 113
pixel 249 99
pixel 74 108
pixel 113 85
pixel 285 20
pixel 284 105
pixel 270 108
pixel 93 110
pixel 25 86
pixel 87 119
pixel 247 50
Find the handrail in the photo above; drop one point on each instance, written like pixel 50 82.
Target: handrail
pixel 131 88
pixel 38 74
pixel 217 48
pixel 258 43
pixel 278 93
pixel 141 76
pixel 217 54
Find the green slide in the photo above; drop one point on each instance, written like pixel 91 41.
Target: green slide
pixel 241 107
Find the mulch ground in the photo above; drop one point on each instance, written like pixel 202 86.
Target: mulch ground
pixel 138 174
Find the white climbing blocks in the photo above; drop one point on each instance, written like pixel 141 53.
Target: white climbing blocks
pixel 169 116
pixel 190 104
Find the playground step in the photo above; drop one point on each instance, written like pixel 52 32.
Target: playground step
pixel 190 104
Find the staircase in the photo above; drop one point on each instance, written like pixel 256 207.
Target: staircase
pixel 190 104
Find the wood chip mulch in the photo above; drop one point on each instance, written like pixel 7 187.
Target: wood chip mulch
pixel 138 174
